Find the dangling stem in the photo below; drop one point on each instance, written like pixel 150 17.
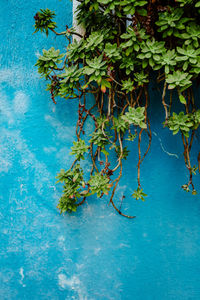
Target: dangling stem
pixel 163 102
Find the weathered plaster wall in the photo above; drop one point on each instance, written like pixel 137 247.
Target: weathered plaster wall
pixel 94 254
pixel 78 28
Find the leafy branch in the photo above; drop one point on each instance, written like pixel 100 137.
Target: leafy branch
pixel 114 62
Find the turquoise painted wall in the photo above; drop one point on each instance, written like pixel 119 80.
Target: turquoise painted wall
pixel 94 254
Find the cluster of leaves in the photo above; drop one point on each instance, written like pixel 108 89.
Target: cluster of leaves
pixel 184 122
pixel 73 181
pixel 44 20
pixel 122 7
pixel 139 194
pixel 79 149
pixel 99 184
pixel 75 187
pixel 69 81
pixel 123 43
pixel 48 61
pixel 135 116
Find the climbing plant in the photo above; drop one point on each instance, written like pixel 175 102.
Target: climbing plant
pixel 123 44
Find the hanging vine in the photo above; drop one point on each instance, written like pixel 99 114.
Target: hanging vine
pixel 124 42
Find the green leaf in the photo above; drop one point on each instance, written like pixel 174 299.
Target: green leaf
pixel 182 99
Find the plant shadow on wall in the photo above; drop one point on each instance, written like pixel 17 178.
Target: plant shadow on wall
pixel 113 61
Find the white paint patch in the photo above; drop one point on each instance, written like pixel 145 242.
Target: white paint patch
pixel 61 238
pixel 6 159
pixel 122 245
pixel 72 283
pixel 37 54
pixel 5 276
pixel 12 142
pixel 63 132
pixel 65 282
pixel 63 155
pixel 27 159
pixel 21 188
pixel 111 215
pixel 5 165
pixel 53 187
pixel 21 272
pixel 6 75
pixel 97 250
pixel 18 106
pixel 62 243
pixel 49 149
pixel 1 217
pixel 17 76
pixel 162 147
pixel 79 267
pixel 5 109
pixel 20 102
pixel 122 189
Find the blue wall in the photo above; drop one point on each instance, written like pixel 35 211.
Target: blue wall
pixel 94 254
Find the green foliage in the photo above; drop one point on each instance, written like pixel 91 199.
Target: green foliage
pixel 70 80
pixel 131 137
pixel 99 138
pixel 180 122
pixel 96 69
pixel 186 188
pixel 112 51
pixel 102 120
pixel 171 22
pixel 127 63
pixel 135 116
pixel 49 61
pixel 128 85
pixel 120 124
pixel 93 41
pixel 189 55
pixel 72 180
pixel 179 79
pixel 191 35
pixel 91 18
pixel 79 149
pixel 128 6
pixel 141 78
pixel 168 61
pixel 114 62
pixel 44 20
pixel 139 194
pixel 151 52
pixel 195 117
pixel 133 40
pixel 76 51
pixel 198 6
pixel 123 154
pixel 184 2
pixel 184 122
pixel 99 184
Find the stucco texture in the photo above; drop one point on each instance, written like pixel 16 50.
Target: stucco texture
pixel 95 253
